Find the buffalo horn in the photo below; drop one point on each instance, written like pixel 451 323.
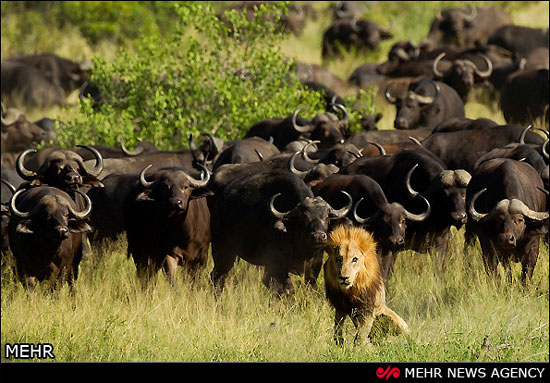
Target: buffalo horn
pixel 14 209
pixel 259 154
pixel 9 186
pixel 487 72
pixel 129 153
pixel 363 221
pixel 23 172
pixel 389 97
pixel 472 15
pixel 379 147
pixel 82 214
pixel 436 71
pixel 142 179
pixel 292 167
pixel 304 151
pixel 522 136
pixel 412 192
pixel 274 211
pixel 471 207
pixel 344 119
pixel 98 168
pixel 203 181
pixel 298 128
pixel 419 217
pixel 415 140
pixel 343 211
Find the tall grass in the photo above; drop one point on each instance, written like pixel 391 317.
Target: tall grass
pixel 108 317
pixel 456 314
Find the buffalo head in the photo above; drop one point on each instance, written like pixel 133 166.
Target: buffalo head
pixel 63 169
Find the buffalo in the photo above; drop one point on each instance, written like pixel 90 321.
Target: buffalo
pixel 508 213
pixel 45 234
pixel 426 104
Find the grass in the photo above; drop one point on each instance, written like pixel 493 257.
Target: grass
pixel 109 318
pixel 458 314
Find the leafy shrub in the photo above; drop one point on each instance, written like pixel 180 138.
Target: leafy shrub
pixel 202 78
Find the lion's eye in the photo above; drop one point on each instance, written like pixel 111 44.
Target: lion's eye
pixel 355 259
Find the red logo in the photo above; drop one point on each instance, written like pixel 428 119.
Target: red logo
pixel 388 372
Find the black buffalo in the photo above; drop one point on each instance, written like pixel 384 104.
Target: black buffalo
pixel 508 213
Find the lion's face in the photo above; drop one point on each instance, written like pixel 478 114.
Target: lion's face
pixel 346 263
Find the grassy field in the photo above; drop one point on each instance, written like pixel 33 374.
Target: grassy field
pixel 456 314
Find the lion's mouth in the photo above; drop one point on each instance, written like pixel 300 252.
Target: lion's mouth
pixel 344 283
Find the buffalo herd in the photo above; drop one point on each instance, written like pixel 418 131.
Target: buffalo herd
pixel 273 197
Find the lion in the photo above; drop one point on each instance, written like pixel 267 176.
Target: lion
pixel 353 283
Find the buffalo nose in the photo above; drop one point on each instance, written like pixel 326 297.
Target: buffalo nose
pixel 511 239
pixel 401 123
pixel 320 236
pixel 63 232
pixel 460 217
pixel 72 178
pixel 397 240
pixel 179 202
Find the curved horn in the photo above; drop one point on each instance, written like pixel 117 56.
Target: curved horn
pixel 379 147
pixel 82 214
pixel 522 136
pixel 292 167
pixel 298 128
pixel 354 25
pixel 389 97
pixel 402 54
pixel 470 16
pixel 204 179
pixel 98 168
pixel 419 217
pixel 142 179
pixel 14 209
pixel 259 154
pixel 415 140
pixel 129 153
pixel 344 119
pixel 343 211
pixel 471 207
pixel 274 211
pixel 488 71
pixel 213 148
pixel 543 147
pixel 529 213
pixel 363 221
pixel 411 191
pixel 192 145
pixel 10 116
pixel 9 186
pixel 436 71
pixel 23 172
pixel 356 155
pixel 304 151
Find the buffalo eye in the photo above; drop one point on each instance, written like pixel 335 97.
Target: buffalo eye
pixel 519 220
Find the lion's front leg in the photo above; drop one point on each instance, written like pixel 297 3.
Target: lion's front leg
pixel 363 322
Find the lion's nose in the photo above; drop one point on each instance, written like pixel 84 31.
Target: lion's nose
pixel 344 279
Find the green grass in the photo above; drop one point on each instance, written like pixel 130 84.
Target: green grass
pixel 109 317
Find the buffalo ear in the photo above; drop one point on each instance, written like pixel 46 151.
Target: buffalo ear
pixel 78 226
pixel 279 225
pixel 537 228
pixel 23 227
pixel 93 182
pixel 144 196
pixel 200 192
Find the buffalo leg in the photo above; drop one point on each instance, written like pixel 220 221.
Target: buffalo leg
pixel 170 266
pixel 529 262
pixel 278 280
pixel 223 263
pixel 312 269
pixel 388 259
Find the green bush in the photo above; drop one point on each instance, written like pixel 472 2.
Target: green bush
pixel 201 78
